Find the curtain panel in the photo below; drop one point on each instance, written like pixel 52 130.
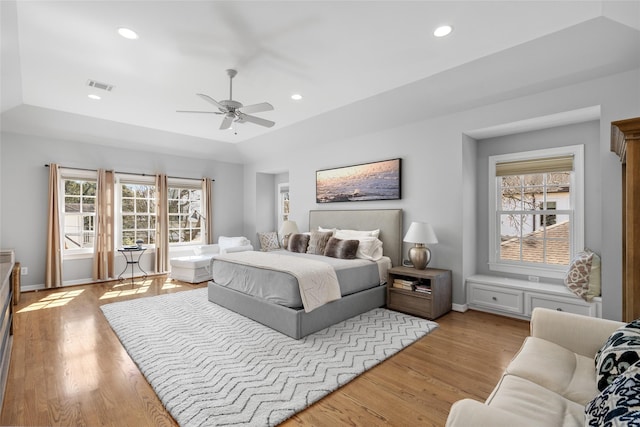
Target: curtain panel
pixel 104 254
pixel 207 206
pixel 53 267
pixel 162 224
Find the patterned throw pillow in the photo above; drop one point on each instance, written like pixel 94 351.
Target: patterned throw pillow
pixel 583 276
pixel 619 403
pixel 269 241
pixel 318 242
pixel 621 350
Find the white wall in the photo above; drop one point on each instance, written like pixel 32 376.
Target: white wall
pixel 24 183
pixel 434 169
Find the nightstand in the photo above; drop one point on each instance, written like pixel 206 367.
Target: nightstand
pixel 426 293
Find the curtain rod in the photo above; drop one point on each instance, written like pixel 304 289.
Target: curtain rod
pixel 46 165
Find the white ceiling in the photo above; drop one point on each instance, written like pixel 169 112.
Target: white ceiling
pixel 333 53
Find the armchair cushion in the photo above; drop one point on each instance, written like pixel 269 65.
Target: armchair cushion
pixel 580 334
pixel 555 368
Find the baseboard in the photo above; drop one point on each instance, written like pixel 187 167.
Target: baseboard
pixel 31 288
pixel 460 307
pixel 79 282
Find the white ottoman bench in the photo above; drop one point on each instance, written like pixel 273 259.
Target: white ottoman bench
pixel 192 269
pixel 196 268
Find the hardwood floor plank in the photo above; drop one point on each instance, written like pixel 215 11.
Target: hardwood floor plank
pixel 69 368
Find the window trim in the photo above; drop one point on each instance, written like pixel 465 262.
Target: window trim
pixel 72 174
pixel 190 184
pixel 576 242
pixel 121 179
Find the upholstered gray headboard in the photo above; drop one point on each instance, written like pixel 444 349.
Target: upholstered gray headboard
pixel 389 221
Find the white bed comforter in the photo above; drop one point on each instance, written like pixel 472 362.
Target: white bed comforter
pixel 317 280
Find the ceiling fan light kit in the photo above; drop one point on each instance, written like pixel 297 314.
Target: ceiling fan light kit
pixel 234 111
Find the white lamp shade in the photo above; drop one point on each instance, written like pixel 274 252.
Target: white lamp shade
pixel 420 232
pixel 288 227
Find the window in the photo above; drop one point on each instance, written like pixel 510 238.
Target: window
pixel 138 213
pixel 536 211
pixel 186 222
pixel 79 211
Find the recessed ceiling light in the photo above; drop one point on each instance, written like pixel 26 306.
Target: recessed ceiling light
pixel 443 30
pixel 92 96
pixel 127 33
pixel 296 97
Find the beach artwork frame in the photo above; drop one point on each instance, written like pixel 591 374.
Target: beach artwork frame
pixel 379 180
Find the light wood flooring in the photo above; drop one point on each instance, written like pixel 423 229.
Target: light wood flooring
pixel 68 367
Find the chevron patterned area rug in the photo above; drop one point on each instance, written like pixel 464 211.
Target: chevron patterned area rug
pixel 212 367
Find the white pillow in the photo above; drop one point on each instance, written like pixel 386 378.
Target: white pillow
pixel 324 230
pixel 230 242
pixel 354 234
pixel 206 249
pixel 369 248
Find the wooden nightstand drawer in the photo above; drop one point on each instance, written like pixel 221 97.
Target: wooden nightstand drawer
pixel 410 302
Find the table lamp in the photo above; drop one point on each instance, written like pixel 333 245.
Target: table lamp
pixel 420 233
pixel 288 228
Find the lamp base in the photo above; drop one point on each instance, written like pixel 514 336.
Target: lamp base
pixel 285 242
pixel 420 255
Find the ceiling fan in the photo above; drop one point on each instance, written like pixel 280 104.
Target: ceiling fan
pixel 234 111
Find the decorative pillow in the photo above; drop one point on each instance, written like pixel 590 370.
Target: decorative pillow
pixel 298 243
pixel 318 242
pixel 583 276
pixel 269 241
pixel 621 350
pixel 344 249
pixel 619 403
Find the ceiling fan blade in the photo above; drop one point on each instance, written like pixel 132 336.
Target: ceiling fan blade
pixel 227 121
pixel 256 120
pixel 212 101
pixel 204 112
pixel 256 108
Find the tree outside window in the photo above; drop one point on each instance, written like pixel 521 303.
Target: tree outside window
pixel 79 213
pixel 186 221
pixel 138 207
pixel 535 218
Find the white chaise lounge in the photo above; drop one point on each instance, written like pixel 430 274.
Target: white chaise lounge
pixel 195 268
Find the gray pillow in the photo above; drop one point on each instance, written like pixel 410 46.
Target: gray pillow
pixel 318 242
pixel 298 243
pixel 343 249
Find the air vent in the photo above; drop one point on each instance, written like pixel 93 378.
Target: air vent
pixel 98 85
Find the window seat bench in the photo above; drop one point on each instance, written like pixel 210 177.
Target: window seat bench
pixel 517 298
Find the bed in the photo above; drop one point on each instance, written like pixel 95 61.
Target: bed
pixel 295 321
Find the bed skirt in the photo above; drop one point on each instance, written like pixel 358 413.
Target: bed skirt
pixel 297 323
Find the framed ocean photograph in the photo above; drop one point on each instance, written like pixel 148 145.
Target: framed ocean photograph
pixel 367 181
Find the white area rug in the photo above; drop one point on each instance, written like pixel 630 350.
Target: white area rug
pixel 212 367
